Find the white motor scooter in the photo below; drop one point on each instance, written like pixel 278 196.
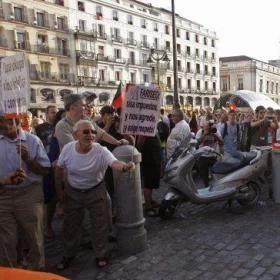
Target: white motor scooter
pixel 232 178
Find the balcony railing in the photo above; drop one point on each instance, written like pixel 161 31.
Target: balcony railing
pixel 117 39
pixel 98 35
pixel 145 45
pixel 44 48
pixel 131 42
pixel 85 54
pixel 52 77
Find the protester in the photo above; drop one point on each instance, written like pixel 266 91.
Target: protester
pixel 193 123
pixel 150 167
pixel 21 204
pixel 84 163
pixel 178 133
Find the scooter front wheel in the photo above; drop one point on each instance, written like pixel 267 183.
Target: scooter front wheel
pixel 251 195
pixel 167 209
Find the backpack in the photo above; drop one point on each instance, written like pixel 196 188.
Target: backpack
pixel 163 131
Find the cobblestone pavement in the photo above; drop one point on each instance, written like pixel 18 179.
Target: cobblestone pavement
pixel 200 242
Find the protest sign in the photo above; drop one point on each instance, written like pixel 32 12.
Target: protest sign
pixel 15 85
pixel 140 110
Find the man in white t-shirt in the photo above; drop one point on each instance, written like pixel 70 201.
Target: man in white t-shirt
pixel 178 133
pixel 83 164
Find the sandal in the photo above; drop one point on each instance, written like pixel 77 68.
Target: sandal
pixel 65 263
pixel 101 262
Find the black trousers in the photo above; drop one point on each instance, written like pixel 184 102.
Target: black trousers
pixel 204 163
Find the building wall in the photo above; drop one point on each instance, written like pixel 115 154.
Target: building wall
pixel 97 60
pixel 256 76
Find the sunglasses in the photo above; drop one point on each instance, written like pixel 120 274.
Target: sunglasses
pixel 88 131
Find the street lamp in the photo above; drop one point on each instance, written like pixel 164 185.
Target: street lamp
pixel 156 56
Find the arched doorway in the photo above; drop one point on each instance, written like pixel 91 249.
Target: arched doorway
pixel 64 92
pixel 104 97
pixel 181 100
pixel 47 95
pixel 169 100
pixel 206 102
pixel 198 101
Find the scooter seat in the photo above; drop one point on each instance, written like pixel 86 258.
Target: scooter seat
pixel 233 163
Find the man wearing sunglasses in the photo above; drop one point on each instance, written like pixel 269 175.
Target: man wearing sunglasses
pixel 75 111
pixel 84 162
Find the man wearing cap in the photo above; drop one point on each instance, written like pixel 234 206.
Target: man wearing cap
pixel 74 107
pixel 21 202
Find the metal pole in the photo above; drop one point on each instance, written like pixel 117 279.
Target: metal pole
pixel 175 73
pixel 158 72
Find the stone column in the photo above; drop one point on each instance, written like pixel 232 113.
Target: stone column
pixel 131 234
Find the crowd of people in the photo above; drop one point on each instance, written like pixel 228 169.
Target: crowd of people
pixel 66 165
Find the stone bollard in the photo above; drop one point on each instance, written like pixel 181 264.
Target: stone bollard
pixel 131 234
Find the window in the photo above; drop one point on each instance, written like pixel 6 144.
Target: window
pixel 167 29
pixel 102 75
pixel 130 37
pixel 115 15
pixel 42 43
pixel 117 76
pixel 132 77
pixel 178 33
pixel 101 30
pixel 99 12
pixel 62 46
pixel 60 23
pixel 145 78
pixel 261 85
pixel 188 67
pixel 205 55
pixel 187 35
pixel 40 19
pixel 130 19
pixel 197 52
pixel 240 84
pixel 45 69
pixel 272 87
pixel 276 88
pixel 205 41
pixel 59 2
pixel 132 57
pixel 18 14
pixel 198 84
pixel 21 40
pixel 167 46
pixel 180 83
pixel 214 71
pixel 197 68
pixel 156 43
pixel 214 86
pixel 206 85
pixel 118 1
pixel 224 84
pixel 206 69
pixel 213 43
pixel 168 82
pixel 196 38
pixel 81 6
pixel 63 71
pixel 118 53
pixel 213 56
pixel 143 23
pixel 178 48
pixel 82 25
pixel 101 50
pixel 267 86
pixel 188 50
pixel 144 58
pixel 179 64
pixel 83 45
pixel 155 26
pixel 116 33
pixel 189 84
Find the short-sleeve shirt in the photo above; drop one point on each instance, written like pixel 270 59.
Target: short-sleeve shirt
pixel 64 131
pixel 85 171
pixel 9 157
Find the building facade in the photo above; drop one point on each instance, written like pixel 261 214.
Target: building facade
pixel 40 29
pixel 243 72
pixel 87 45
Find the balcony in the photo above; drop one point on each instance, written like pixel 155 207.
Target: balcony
pixel 59 2
pixel 100 35
pixel 116 39
pixel 43 48
pixel 131 42
pixel 87 81
pixel 52 77
pixel 145 45
pixel 22 46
